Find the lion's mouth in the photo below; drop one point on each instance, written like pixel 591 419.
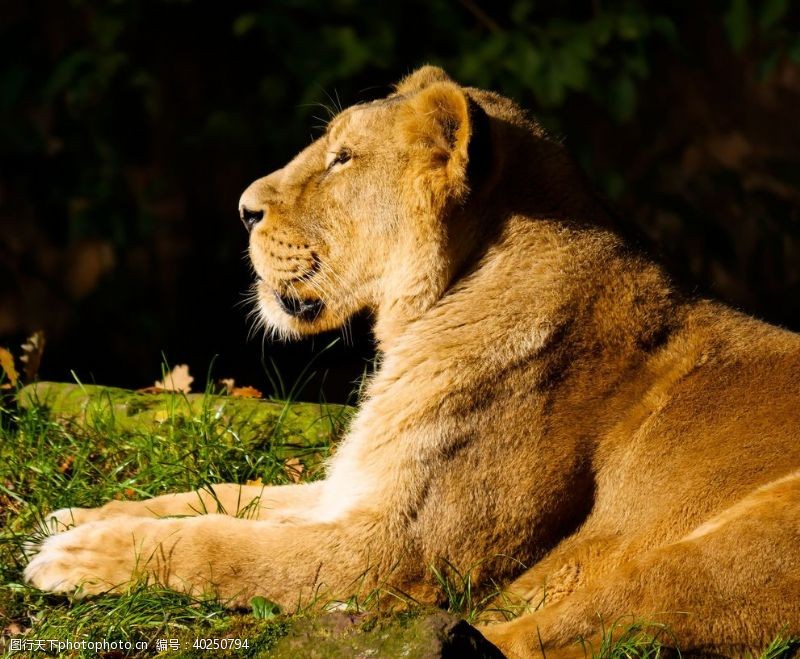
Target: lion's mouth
pixel 306 310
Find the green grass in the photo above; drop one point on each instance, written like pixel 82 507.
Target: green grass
pixel 782 646
pixel 632 638
pixel 48 462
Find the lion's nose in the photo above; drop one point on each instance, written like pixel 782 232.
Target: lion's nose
pixel 250 217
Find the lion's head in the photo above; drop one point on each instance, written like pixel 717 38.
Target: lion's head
pixel 357 219
pixel 380 212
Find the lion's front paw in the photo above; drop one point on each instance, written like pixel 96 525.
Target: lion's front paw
pixel 64 519
pixel 96 557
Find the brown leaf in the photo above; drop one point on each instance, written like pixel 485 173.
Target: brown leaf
pixel 294 469
pixel 178 379
pixel 66 465
pixel 8 505
pixel 14 629
pixel 86 263
pixel 32 351
pixel 246 392
pixel 731 149
pixel 7 363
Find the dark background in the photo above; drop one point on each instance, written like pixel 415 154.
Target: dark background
pixel 129 129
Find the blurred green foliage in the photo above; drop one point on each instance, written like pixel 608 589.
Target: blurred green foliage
pixel 128 129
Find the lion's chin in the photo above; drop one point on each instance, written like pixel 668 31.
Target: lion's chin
pixel 293 318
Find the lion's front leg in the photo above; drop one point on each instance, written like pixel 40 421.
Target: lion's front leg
pixel 233 559
pixel 103 556
pixel 247 501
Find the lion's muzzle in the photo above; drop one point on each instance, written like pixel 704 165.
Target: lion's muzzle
pixel 306 310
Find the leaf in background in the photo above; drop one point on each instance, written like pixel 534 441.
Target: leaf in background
pixel 178 379
pixel 772 11
pixel 7 363
pixel 622 97
pixel 732 150
pixel 629 27
pixel 244 23
pixel 32 351
pixel 794 52
pixel 666 27
pixel 65 72
pixel 87 262
pixel 520 11
pixel 767 66
pixel 737 24
pixel 255 481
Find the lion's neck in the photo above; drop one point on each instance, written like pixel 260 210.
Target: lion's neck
pixel 538 280
pixel 416 278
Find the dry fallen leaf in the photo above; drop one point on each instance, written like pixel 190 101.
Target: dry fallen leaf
pixel 32 351
pixel 65 466
pixel 255 481
pixel 178 379
pixel 246 392
pixel 9 505
pixel 14 629
pixel 294 469
pixel 7 364
pixel 229 384
pixel 731 149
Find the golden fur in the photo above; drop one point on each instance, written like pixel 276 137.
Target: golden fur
pixel 544 393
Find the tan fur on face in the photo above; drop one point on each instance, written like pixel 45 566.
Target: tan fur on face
pixel 544 394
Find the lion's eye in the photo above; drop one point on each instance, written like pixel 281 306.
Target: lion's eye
pixel 341 157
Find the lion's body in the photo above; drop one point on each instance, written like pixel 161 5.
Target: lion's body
pixel 543 393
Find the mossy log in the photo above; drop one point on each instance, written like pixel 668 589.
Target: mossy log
pixel 309 424
pixel 421 635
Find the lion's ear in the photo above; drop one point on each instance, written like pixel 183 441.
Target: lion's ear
pixel 421 78
pixel 436 120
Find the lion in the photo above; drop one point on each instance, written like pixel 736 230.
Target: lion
pixel 550 411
